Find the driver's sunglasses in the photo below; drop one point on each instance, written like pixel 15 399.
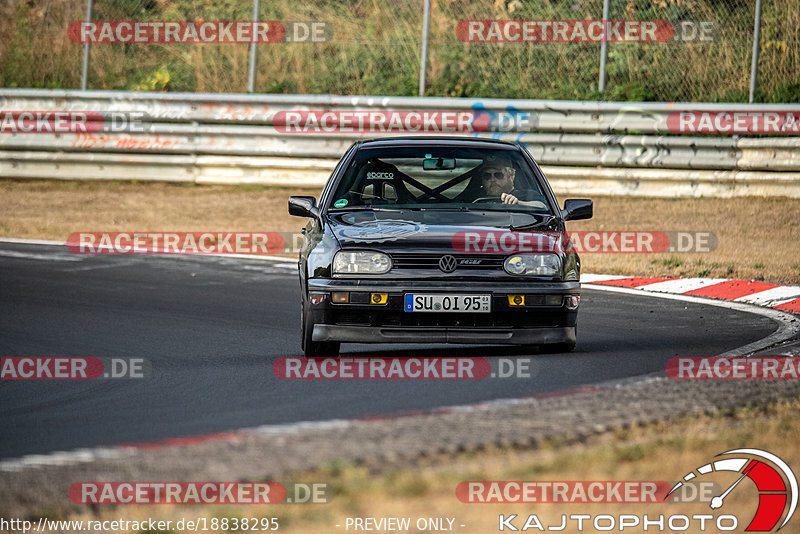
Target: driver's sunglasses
pixel 497 175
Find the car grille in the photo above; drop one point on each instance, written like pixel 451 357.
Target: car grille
pixel 409 260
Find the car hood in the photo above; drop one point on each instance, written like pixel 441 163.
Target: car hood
pixel 421 232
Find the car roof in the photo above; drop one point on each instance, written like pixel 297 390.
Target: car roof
pixel 443 140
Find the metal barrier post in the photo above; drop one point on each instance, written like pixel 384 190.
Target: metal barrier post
pixel 423 62
pixel 86 45
pixel 756 43
pixel 251 75
pixel 604 48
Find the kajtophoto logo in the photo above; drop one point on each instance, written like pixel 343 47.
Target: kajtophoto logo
pixel 774 480
pixel 775 486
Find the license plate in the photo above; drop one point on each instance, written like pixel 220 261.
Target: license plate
pixel 454 303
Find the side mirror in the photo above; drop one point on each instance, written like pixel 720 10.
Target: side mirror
pixel 578 208
pixel 303 207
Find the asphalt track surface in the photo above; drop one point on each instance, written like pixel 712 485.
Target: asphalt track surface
pixel 211 328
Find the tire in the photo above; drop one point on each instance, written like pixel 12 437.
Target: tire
pixel 557 348
pixel 310 347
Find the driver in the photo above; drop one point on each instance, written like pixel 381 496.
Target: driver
pixel 497 180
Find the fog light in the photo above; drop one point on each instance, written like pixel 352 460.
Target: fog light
pixel 552 300
pixel 516 300
pixel 340 297
pixel 316 298
pixel 572 302
pixel 379 298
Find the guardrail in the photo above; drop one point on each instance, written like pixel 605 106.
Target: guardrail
pixel 584 147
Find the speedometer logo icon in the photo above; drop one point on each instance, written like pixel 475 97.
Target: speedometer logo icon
pixel 775 481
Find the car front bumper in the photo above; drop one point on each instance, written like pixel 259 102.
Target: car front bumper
pixel 389 323
pixel 514 336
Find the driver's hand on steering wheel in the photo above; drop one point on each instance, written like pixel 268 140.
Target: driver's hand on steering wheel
pixel 508 198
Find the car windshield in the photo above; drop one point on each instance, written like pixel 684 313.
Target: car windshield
pixel 440 178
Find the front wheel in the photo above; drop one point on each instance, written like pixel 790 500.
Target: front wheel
pixel 310 347
pixel 556 348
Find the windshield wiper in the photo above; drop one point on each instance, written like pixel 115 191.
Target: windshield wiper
pixel 474 208
pixel 370 208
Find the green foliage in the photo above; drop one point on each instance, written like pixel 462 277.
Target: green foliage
pixel 787 92
pixel 157 81
pixel 376 46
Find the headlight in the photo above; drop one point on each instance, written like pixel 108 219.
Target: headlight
pixel 361 262
pixel 533 265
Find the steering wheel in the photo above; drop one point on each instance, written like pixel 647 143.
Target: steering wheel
pixel 496 198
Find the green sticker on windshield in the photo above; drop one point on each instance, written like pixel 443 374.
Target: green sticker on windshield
pixel 342 202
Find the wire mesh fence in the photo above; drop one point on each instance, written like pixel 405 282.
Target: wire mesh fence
pixel 707 57
pixel 655 50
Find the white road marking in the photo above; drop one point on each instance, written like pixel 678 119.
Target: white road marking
pixel 772 297
pixel 277 259
pixel 63 458
pixel 589 278
pixel 681 285
pixel 31 241
pixel 35 256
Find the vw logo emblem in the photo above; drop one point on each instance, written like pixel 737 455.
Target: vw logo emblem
pixel 447 264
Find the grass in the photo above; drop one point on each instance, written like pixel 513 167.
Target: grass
pixel 426 488
pixel 375 49
pixel 757 238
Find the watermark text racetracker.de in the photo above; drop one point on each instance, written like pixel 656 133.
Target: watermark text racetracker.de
pixel 581 492
pixel 766 122
pixel 404 368
pixel 141 242
pixel 73 122
pixel 199 31
pixel 584 31
pixel 584 241
pixel 199 492
pixel 380 121
pixel 724 368
pixel 72 368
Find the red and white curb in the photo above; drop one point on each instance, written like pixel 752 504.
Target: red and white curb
pixel 778 297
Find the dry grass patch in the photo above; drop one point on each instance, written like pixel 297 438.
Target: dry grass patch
pixel 759 238
pixel 55 209
pixel 426 488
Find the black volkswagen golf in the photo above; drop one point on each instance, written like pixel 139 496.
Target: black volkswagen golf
pixel 438 240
